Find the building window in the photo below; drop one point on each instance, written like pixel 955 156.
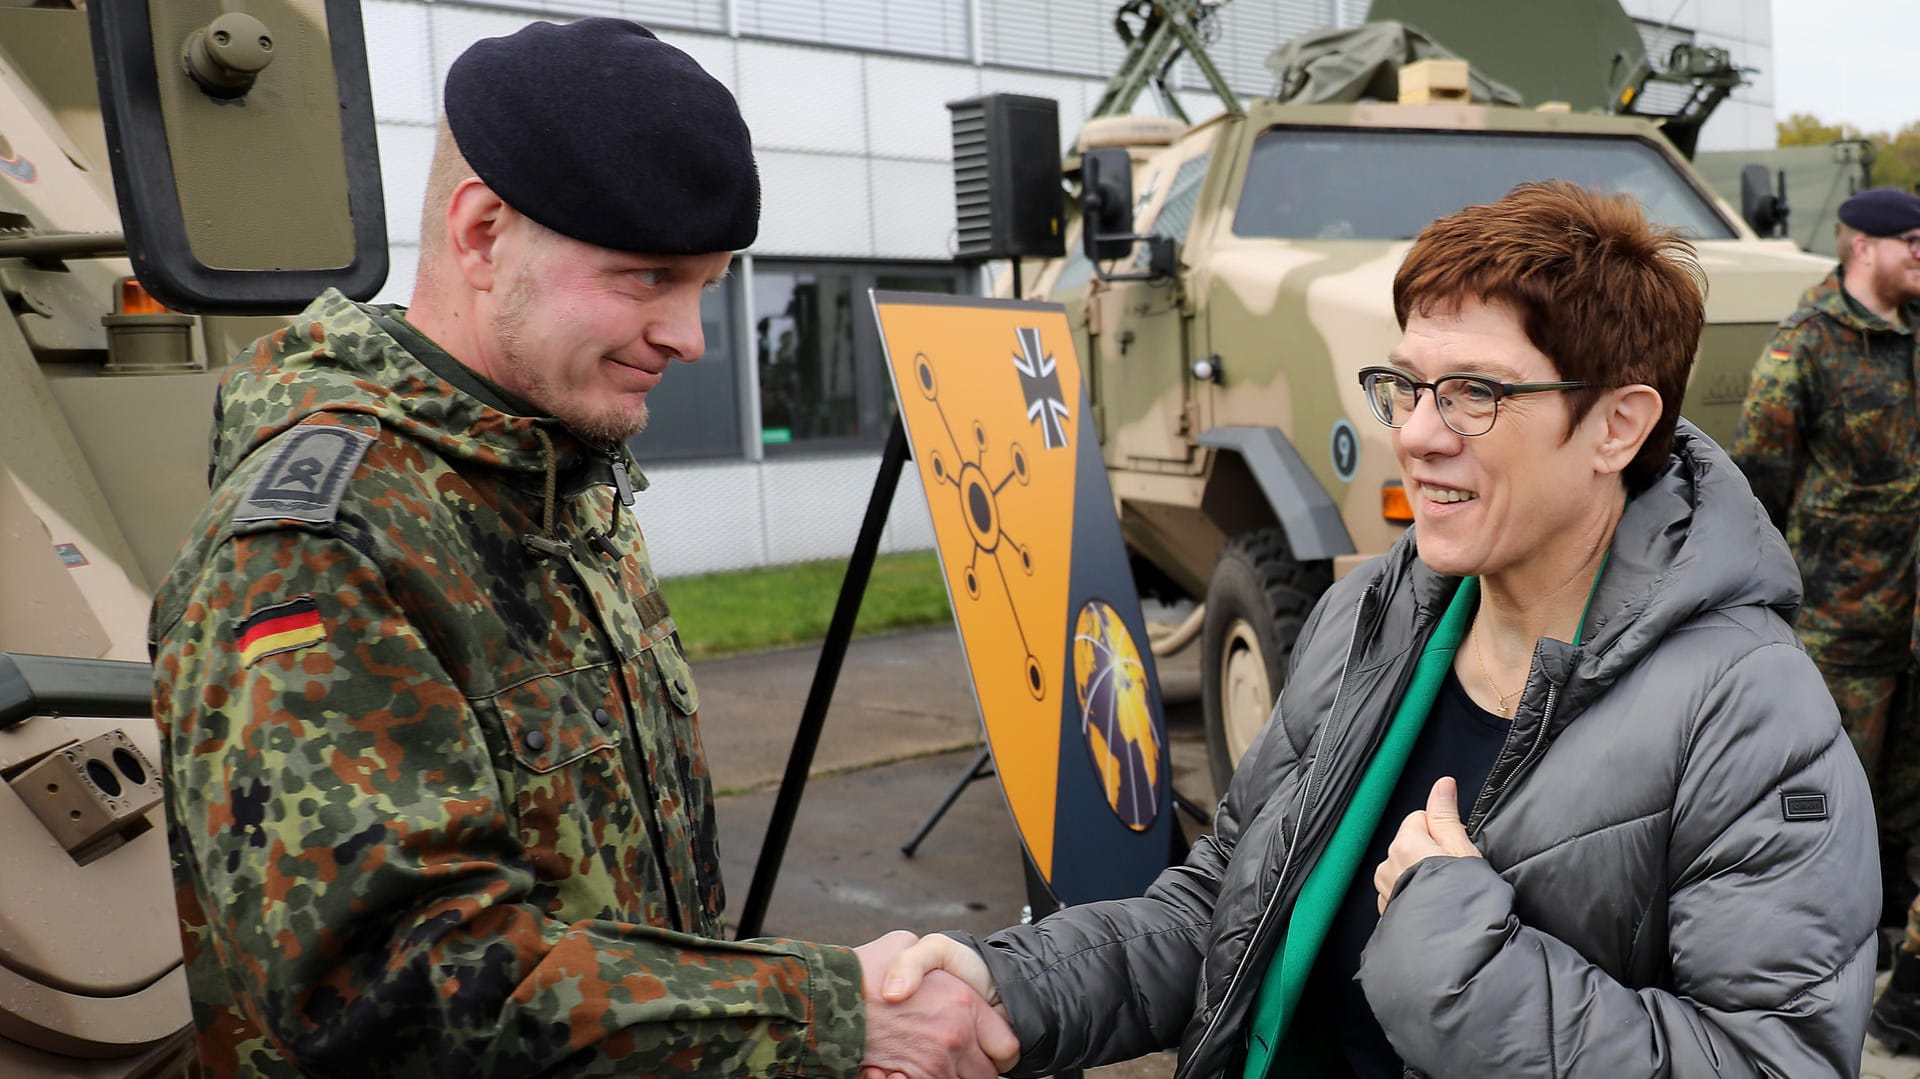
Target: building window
pixel 1066 36
pixel 691 14
pixel 695 411
pixel 823 380
pixel 928 27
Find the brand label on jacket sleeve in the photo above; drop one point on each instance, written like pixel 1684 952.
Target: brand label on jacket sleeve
pixel 1803 806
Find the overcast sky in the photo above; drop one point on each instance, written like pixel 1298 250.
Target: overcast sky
pixel 1848 61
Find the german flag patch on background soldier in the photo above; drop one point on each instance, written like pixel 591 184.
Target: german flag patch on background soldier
pixel 282 627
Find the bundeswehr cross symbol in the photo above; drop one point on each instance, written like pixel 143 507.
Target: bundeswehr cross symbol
pixel 1040 381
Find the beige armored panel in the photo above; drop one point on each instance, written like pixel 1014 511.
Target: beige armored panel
pixel 91 982
pixel 1107 131
pixel 221 115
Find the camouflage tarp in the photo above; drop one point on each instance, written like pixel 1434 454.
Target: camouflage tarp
pixel 1338 66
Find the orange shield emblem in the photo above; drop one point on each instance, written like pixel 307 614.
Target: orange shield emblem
pixel 993 401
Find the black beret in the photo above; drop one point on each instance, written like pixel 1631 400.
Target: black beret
pixel 603 132
pixel 1882 211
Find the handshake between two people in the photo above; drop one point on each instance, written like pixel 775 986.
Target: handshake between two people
pixel 932 1011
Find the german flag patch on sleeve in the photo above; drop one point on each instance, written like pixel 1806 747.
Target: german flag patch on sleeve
pixel 282 627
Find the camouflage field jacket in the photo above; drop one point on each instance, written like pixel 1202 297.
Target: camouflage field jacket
pixel 1829 438
pixel 436 794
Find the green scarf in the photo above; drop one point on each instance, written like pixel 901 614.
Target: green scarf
pixel 1332 875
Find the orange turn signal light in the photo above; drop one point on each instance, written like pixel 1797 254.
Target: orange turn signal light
pixel 136 300
pixel 1394 505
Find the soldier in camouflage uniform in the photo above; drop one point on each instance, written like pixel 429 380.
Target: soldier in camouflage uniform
pixel 436 795
pixel 1830 439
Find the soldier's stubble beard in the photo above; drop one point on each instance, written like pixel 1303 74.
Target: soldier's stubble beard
pixel 1898 281
pixel 595 422
pixel 1892 280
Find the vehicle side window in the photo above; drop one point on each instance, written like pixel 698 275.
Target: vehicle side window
pixel 1173 220
pixel 1176 214
pixel 1076 271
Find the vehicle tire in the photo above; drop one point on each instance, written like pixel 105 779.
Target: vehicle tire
pixel 1257 600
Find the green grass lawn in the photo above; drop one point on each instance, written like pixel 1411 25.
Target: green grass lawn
pixel 722 613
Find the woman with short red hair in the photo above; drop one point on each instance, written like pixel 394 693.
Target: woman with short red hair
pixel 1551 789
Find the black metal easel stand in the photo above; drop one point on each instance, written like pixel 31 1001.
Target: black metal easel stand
pixel 981 768
pixel 825 677
pixel 833 652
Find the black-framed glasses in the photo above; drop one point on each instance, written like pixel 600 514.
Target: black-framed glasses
pixel 1912 242
pixel 1468 403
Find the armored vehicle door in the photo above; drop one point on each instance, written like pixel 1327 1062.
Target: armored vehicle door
pixel 1140 331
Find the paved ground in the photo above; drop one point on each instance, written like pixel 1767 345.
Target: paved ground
pixel 902 728
pixel 1880 1064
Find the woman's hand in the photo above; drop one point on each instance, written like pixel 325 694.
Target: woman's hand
pixel 1435 832
pixel 932 1015
pixel 933 952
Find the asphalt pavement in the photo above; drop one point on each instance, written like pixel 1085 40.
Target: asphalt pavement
pixel 902 731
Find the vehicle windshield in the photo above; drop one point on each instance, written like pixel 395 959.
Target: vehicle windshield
pixel 1347 184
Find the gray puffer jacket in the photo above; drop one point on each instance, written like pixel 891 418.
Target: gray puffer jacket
pixel 1680 874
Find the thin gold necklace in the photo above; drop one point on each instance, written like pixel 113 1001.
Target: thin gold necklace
pixel 1501 708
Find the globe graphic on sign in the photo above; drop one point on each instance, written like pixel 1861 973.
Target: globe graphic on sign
pixel 1116 716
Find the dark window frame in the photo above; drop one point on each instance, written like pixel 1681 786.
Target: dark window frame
pixel 874 404
pixel 725 352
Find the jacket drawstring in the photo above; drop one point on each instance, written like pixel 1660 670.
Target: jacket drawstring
pixel 622 484
pixel 548 544
pixel 623 490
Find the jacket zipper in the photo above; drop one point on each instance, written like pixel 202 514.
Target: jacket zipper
pixel 1483 805
pixel 1260 927
pixel 1490 795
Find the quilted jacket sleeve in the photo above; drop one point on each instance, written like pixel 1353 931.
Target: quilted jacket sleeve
pixel 1770 922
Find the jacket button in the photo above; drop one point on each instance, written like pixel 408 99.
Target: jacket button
pixel 603 717
pixel 536 740
pixel 680 686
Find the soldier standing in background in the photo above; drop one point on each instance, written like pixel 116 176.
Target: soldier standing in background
pixel 1830 439
pixel 436 795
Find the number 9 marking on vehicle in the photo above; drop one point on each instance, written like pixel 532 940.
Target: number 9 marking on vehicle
pixel 1344 447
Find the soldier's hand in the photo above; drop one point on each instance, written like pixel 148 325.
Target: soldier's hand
pixel 1433 832
pixel 932 1025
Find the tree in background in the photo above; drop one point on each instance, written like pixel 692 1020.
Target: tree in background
pixel 1896 161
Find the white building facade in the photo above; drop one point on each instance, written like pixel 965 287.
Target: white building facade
pixel 764 452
